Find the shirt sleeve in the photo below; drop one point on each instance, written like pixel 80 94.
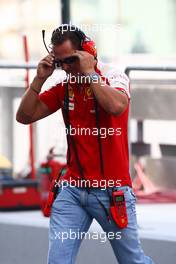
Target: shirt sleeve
pixel 52 98
pixel 120 81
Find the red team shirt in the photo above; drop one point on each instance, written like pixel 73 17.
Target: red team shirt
pixel 113 130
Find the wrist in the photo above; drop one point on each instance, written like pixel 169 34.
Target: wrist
pixel 36 84
pixel 34 89
pixel 39 79
pixel 90 71
pixel 93 76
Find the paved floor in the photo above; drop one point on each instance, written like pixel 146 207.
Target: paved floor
pixel 156 221
pixel 23 230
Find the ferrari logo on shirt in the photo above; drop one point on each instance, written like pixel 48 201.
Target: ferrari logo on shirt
pixel 88 93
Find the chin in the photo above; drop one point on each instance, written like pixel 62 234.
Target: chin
pixel 75 73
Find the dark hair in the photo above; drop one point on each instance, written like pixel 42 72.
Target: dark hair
pixel 59 36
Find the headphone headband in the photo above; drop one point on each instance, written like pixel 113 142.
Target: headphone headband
pixel 85 42
pixel 67 27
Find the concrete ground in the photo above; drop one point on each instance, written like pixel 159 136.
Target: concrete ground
pixel 24 237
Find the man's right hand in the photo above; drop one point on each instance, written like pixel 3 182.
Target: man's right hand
pixel 31 108
pixel 45 67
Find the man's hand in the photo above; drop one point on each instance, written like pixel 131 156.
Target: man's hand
pixel 87 61
pixel 31 108
pixel 45 67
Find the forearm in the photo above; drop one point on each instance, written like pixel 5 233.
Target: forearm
pixel 29 101
pixel 109 98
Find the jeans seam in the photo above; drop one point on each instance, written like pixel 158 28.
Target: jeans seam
pixel 75 243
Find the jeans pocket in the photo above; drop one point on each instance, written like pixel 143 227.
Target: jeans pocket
pixel 60 188
pixel 130 200
pixel 133 195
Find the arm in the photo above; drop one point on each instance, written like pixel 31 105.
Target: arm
pixel 31 107
pixel 113 101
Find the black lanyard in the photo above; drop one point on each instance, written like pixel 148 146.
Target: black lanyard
pixel 70 140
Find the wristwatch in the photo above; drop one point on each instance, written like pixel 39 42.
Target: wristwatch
pixel 94 77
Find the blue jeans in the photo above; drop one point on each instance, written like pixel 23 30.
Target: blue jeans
pixel 72 213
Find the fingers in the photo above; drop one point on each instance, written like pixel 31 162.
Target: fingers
pixel 45 63
pixel 83 53
pixel 77 55
pixel 48 61
pixel 52 53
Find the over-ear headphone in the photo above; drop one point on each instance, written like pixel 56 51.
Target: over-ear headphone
pixel 86 43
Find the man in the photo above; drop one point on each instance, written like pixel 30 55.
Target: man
pixel 97 104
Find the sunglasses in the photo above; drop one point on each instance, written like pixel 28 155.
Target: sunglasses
pixel 68 60
pixel 59 63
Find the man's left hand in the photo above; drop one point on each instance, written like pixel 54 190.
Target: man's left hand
pixel 87 61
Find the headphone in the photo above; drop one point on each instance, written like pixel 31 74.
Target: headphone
pixel 86 43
